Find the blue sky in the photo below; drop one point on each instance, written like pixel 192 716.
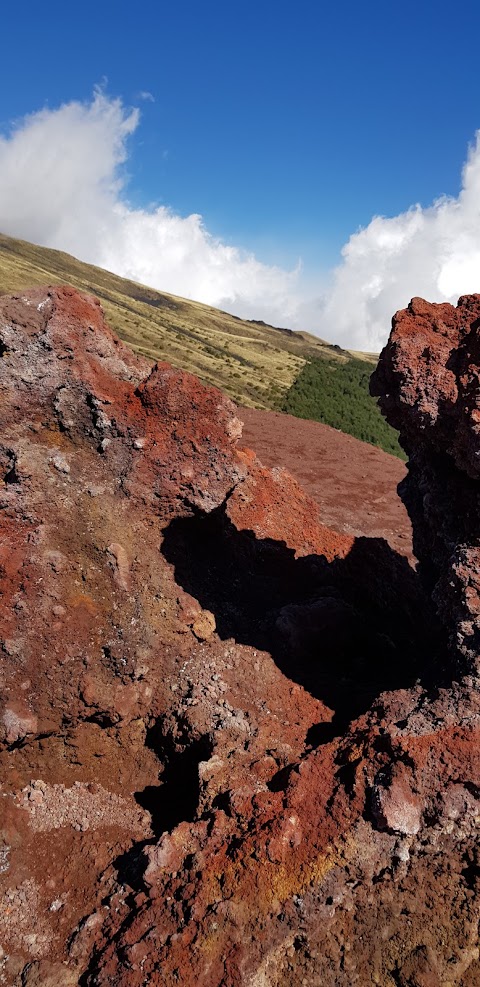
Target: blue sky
pixel 286 126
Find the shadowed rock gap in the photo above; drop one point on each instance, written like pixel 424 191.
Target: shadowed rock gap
pixel 174 800
pixel 177 796
pixel 346 630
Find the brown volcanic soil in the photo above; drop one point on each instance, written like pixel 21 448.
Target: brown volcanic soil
pixel 354 484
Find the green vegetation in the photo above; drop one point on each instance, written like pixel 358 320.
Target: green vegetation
pixel 337 394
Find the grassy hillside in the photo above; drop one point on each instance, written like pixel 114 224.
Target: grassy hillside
pixel 254 363
pixel 257 365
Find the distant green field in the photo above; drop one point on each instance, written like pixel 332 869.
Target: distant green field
pixel 337 394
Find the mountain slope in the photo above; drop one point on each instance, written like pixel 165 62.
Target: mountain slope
pixel 253 362
pixel 256 364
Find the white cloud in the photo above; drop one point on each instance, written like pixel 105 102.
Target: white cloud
pixel 63 184
pixel 432 252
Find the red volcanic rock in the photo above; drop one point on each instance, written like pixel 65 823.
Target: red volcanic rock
pixel 263 503
pixel 98 454
pixel 427 380
pixel 232 753
pixel 17 722
pixel 394 805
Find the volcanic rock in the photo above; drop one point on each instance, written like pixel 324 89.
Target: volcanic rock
pixel 428 383
pixel 238 749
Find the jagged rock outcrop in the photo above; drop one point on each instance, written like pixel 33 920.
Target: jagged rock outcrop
pixel 226 760
pixel 428 380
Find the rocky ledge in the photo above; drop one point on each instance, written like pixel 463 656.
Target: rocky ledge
pixel 238 748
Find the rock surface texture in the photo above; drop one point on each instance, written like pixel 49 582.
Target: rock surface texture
pixel 238 748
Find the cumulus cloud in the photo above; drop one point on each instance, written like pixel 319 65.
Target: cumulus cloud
pixel 432 252
pixel 64 184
